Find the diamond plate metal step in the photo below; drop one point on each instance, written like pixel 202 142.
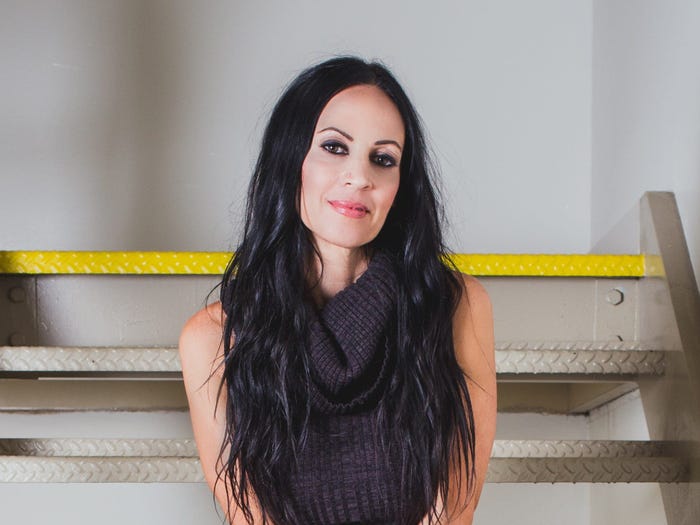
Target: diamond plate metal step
pixel 175 461
pixel 18 469
pixel 512 358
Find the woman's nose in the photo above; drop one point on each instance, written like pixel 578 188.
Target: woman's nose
pixel 357 174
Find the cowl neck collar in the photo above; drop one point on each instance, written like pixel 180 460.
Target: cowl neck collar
pixel 350 341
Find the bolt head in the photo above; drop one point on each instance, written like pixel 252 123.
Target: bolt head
pixel 17 339
pixel 17 294
pixel 615 296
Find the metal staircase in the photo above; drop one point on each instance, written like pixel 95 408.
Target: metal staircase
pixel 573 333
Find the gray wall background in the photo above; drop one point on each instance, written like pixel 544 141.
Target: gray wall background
pixel 646 116
pixel 133 125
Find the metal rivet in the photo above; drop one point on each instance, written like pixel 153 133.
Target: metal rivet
pixel 17 294
pixel 615 296
pixel 17 339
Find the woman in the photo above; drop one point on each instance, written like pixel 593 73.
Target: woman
pixel 347 375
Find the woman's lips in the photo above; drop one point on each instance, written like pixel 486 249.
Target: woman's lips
pixel 355 210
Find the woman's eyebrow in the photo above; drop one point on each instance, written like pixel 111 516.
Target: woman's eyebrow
pixel 381 142
pixel 346 135
pixel 349 137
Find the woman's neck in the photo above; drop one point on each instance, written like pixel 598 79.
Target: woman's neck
pixel 341 268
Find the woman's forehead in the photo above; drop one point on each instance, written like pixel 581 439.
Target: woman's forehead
pixel 366 109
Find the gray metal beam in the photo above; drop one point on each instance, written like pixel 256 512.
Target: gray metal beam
pixel 669 313
pixel 150 310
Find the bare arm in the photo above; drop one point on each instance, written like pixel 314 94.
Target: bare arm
pixel 201 353
pixel 474 346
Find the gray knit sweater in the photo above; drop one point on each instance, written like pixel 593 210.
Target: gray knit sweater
pixel 346 475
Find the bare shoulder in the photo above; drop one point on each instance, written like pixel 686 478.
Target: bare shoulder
pixel 200 340
pixel 201 355
pixel 478 297
pixel 206 321
pixel 473 329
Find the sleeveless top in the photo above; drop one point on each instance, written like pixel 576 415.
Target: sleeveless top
pixel 345 474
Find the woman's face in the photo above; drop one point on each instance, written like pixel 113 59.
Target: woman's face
pixel 350 175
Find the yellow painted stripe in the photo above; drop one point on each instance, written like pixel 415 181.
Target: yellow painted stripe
pixel 552 265
pixel 152 263
pixel 654 266
pixel 214 263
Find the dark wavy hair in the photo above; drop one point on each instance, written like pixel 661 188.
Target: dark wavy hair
pixel 267 369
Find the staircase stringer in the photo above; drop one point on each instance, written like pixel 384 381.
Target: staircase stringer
pixel 669 315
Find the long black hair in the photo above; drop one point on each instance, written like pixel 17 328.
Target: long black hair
pixel 267 370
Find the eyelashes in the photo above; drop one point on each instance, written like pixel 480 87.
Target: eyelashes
pixel 383 160
pixel 335 148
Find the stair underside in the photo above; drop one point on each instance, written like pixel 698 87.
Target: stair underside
pixel 175 461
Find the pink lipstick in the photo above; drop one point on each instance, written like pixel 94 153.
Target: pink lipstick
pixel 352 209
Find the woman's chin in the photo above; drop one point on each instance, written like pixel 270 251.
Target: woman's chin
pixel 343 242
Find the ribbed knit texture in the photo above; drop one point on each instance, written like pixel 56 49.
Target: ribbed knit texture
pixel 344 476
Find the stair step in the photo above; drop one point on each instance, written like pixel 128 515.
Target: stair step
pixel 579 358
pixel 512 358
pixel 127 469
pixel 587 470
pixel 175 461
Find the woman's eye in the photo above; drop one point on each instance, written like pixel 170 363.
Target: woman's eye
pixel 384 160
pixel 336 148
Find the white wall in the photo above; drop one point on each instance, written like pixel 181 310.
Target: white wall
pixel 646 116
pixel 71 142
pixel 134 125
